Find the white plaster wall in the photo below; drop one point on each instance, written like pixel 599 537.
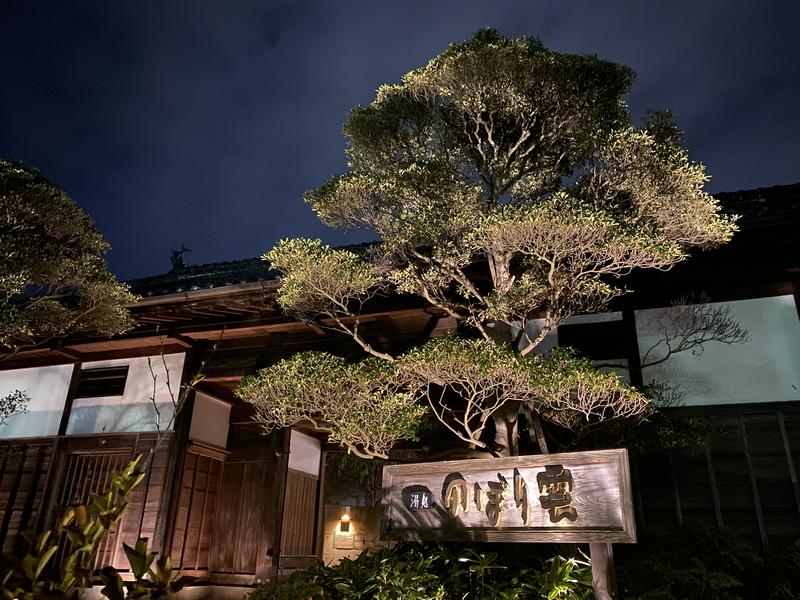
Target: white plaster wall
pixel 551 339
pixel 532 330
pixel 210 420
pixel 134 410
pixel 765 369
pixel 305 453
pixel 47 388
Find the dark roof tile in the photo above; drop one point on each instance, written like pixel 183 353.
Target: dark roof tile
pixel 776 205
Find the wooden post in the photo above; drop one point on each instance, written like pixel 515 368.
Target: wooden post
pixel 603 577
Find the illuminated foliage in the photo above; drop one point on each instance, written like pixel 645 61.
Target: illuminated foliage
pixel 466 381
pixel 53 278
pixel 320 281
pixel 506 182
pixel 361 405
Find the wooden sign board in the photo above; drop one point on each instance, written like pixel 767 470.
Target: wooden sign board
pixel 573 497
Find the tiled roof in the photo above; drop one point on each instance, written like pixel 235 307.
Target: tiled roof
pixel 211 275
pixel 759 207
pixel 779 204
pixel 200 277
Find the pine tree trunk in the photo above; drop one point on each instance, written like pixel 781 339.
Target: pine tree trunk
pixel 506 419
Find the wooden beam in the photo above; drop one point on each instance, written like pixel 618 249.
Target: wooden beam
pixel 71 391
pixel 223 379
pixel 712 478
pixel 67 353
pixel 632 343
pixel 789 460
pixel 149 341
pixel 319 534
pixel 637 486
pixel 753 486
pixel 676 497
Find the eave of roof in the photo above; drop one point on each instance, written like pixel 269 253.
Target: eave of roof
pixel 195 295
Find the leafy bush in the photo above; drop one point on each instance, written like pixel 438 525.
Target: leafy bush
pixel 300 586
pixel 705 565
pixel 152 579
pixel 438 572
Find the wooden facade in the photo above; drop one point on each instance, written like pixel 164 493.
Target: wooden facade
pixel 25 471
pixel 227 520
pixel 43 477
pixel 237 514
pixel 197 500
pixel 233 514
pixel 742 479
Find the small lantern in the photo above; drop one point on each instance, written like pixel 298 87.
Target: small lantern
pixel 344 521
pixel 343 535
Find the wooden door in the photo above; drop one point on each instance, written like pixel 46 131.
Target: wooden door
pixel 196 511
pixel 246 532
pixel 300 516
pixel 301 503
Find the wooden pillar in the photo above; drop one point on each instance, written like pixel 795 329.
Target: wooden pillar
pixel 319 534
pixel 71 391
pixel 178 447
pixel 753 485
pixel 632 342
pixel 712 478
pixel 603 577
pixel 789 460
pixel 676 496
pixel 280 483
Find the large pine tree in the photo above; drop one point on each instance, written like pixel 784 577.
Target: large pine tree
pixel 507 184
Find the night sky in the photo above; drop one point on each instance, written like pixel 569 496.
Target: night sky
pixel 204 122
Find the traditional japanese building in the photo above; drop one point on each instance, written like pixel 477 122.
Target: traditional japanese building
pixel 233 507
pixel 230 505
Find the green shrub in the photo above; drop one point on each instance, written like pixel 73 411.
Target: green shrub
pixel 697 565
pixel 439 572
pixel 706 565
pixel 300 586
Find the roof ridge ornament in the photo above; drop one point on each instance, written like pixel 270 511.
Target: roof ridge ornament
pixel 177 257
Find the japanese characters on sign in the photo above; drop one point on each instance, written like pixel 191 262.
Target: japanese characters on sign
pixel 417 497
pixel 555 489
pixel 576 497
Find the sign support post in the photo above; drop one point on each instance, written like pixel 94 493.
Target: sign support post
pixel 603 577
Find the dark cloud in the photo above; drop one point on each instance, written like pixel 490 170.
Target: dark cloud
pixel 204 123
